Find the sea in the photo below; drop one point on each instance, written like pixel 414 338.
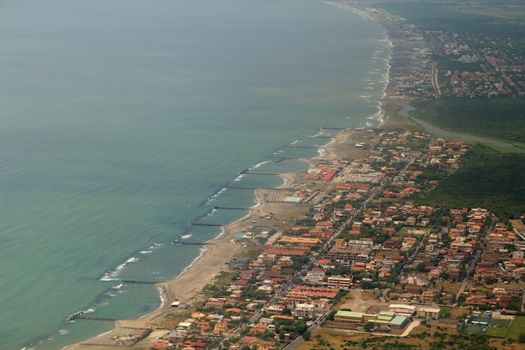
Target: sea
pixel 123 121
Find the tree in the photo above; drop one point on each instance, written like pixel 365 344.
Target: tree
pixel 306 335
pixel 444 312
pixel 267 335
pixel 421 267
pixel 490 280
pixel 515 304
pixel 301 327
pixel 521 338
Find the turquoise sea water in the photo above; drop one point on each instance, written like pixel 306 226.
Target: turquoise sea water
pixel 119 119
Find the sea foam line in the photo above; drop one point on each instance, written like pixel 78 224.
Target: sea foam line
pixel 112 275
pixel 380 114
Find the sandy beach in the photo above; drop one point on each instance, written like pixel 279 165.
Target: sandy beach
pixel 216 254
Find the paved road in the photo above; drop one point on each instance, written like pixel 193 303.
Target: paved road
pixel 475 260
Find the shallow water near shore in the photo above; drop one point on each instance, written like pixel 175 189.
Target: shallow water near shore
pixel 123 120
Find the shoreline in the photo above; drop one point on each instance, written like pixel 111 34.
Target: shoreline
pixel 187 286
pixel 207 265
pixel 212 259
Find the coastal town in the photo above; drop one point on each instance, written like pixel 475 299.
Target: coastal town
pixel 347 254
pixel 366 257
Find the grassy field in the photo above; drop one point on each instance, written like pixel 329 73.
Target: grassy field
pixel 513 332
pixel 488 179
pixel 499 322
pixel 517 327
pixel 497 332
pixel 502 118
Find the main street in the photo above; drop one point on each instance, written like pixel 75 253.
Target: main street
pixel 474 261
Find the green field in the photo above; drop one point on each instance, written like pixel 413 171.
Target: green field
pixel 496 332
pixel 502 118
pixel 499 322
pixel 498 328
pixel 516 328
pixel 487 178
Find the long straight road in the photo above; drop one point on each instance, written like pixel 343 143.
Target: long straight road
pixel 475 260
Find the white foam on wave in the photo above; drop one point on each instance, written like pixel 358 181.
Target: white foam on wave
pixel 112 275
pixel 63 331
pixel 144 252
pixel 258 165
pixel 185 236
pixel 317 134
pixel 366 98
pixel 118 286
pixel 217 194
pixel 239 177
pixel 89 310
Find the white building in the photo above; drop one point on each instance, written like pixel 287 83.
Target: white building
pixel 314 276
pixel 304 310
